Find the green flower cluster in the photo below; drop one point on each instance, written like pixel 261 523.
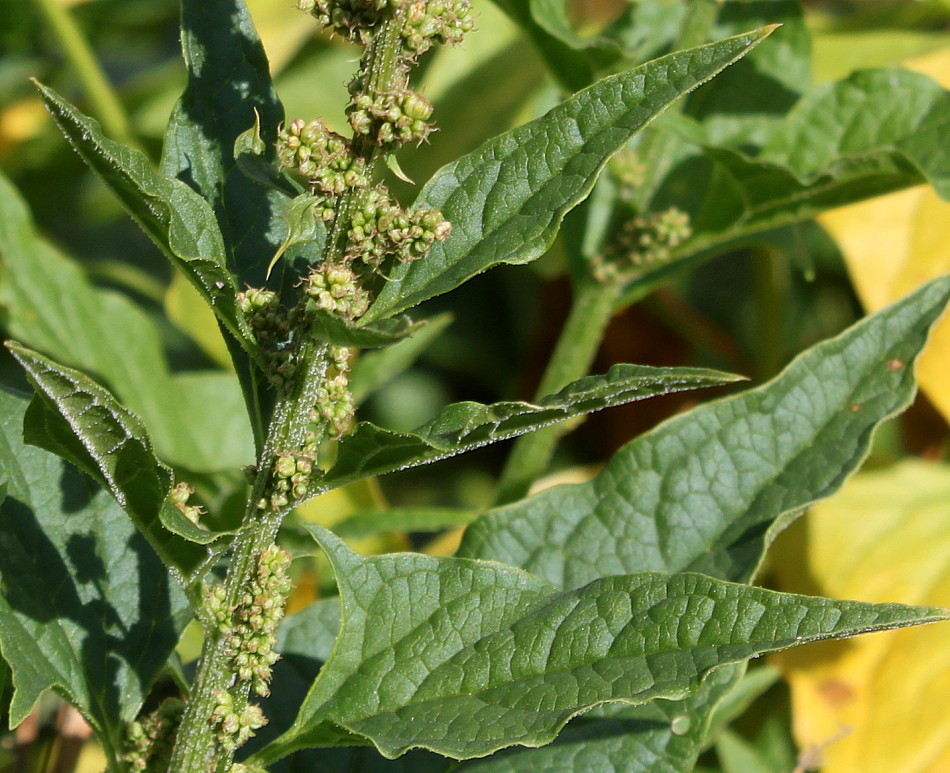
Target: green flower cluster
pixel 644 241
pixel 150 739
pixel 250 627
pixel 335 289
pixel 235 728
pixel 291 479
pixel 179 496
pixel 270 323
pixel 324 158
pixel 435 21
pixel 380 228
pixel 421 22
pixel 390 119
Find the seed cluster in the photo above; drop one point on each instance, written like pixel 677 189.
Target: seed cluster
pixel 388 119
pixel 150 739
pixel 250 627
pixel 271 323
pixel 234 728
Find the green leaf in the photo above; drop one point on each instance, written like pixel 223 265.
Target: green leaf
pixel 614 738
pixel 338 331
pixel 708 490
pixel 374 369
pixel 86 607
pixel 176 218
pixel 461 427
pixel 506 200
pixel 76 418
pixel 466 657
pixel 229 89
pixel 196 420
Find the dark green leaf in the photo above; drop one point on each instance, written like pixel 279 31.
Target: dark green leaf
pixel 708 490
pixel 75 417
pixel 466 657
pixel 506 200
pixel 461 427
pixel 229 90
pixel 86 608
pixel 176 218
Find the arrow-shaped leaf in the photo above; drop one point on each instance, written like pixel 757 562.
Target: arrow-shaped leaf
pixel 507 199
pixel 177 219
pixel 466 657
pixel 86 608
pixel 461 427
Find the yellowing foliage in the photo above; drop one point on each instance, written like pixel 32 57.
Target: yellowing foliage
pixel 878 703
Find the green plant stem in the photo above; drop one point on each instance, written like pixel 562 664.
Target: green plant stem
pixel 770 281
pixel 105 103
pixel 197 749
pixel 591 310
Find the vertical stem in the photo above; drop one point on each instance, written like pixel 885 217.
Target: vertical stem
pixel 197 749
pixel 770 277
pixel 590 312
pixel 105 103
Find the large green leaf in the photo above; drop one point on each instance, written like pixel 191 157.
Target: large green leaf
pixel 466 657
pixel 721 479
pixel 86 608
pixel 196 420
pixel 461 427
pixel 871 112
pixel 506 200
pixel 177 219
pixel 76 418
pixel 229 90
pixel 708 490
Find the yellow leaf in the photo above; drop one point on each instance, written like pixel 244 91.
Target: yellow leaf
pixel 893 244
pixel 880 700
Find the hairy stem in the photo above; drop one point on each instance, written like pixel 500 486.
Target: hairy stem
pixel 197 749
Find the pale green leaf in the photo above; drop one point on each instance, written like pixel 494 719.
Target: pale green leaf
pixel 196 420
pixel 86 608
pixel 461 427
pixel 506 200
pixel 466 657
